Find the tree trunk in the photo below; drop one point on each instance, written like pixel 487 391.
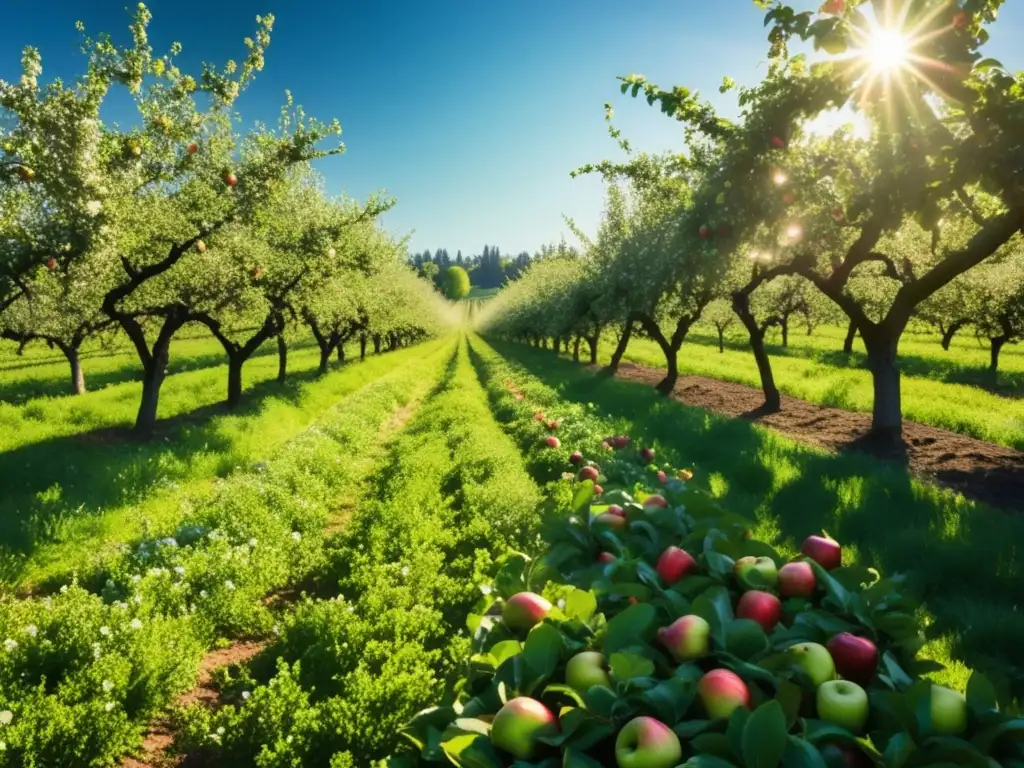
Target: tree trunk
pixel 341 351
pixel 282 359
pixel 362 346
pixel 772 398
pixel 620 348
pixel 592 343
pixel 851 334
pixel 376 343
pixel 721 340
pixel 784 326
pixel 235 363
pixel 77 376
pixel 996 346
pixel 669 348
pixel 153 374
pixel 576 350
pixel 325 359
pixel 887 414
pixel 950 332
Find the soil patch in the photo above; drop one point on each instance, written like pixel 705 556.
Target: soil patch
pixel 983 471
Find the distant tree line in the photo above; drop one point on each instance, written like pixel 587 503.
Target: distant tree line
pixel 486 270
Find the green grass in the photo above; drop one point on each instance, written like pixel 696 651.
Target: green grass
pixel 480 293
pixel 939 388
pixel 962 559
pixel 71 488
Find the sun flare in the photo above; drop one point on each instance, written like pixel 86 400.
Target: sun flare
pixel 887 50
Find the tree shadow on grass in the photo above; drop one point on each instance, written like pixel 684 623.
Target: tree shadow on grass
pixel 46 484
pixel 963 560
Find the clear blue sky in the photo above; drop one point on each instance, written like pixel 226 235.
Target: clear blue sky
pixel 472 114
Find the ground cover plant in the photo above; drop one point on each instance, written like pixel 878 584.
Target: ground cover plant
pixel 84 669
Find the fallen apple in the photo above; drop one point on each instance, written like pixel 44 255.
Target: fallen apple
pixel 230 179
pixel 598 490
pixel 645 742
pixel 519 724
pixel 192 148
pixel 524 610
pixel 615 509
pixel 704 232
pixel 200 246
pixel 51 263
pixel 576 457
pixel 722 691
pixel 552 441
pixel 686 638
pixel 606 557
pixel 796 580
pixel 646 455
pixel 655 500
pixel 662 477
pixel 614 522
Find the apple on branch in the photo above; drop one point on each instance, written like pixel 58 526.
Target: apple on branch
pixel 843 703
pixel 814 659
pixel 856 658
pixel 756 572
pixel 645 742
pixel 825 552
pixel 524 610
pixel 519 724
pixel 586 669
pixel 686 638
pixel 721 692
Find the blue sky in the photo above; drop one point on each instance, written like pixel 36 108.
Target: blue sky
pixel 472 114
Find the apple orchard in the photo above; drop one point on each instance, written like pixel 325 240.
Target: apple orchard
pixel 466 560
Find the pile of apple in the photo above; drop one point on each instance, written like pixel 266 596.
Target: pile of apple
pixel 655 632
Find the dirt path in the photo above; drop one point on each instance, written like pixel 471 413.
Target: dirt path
pixel 979 470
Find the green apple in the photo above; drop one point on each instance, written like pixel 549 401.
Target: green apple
pixel 586 669
pixel 843 703
pixel 814 659
pixel 686 638
pixel 756 572
pixel 645 742
pixel 949 711
pixel 518 725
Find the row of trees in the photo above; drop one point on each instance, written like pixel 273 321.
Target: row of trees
pixel 180 220
pixel 487 270
pixel 922 218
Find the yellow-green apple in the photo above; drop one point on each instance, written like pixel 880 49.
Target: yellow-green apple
pixel 674 563
pixel 844 703
pixel 552 441
pixel 825 552
pixel 589 473
pixel 576 457
pixel 615 522
pixel 856 658
pixel 655 500
pixel 586 669
pixel 721 692
pixel 647 455
pixel 948 710
pixel 524 609
pixel 796 580
pixel 645 742
pixel 686 638
pixel 519 724
pixel 762 607
pixel 814 659
pixel 764 567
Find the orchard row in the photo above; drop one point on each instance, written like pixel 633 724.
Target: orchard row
pixel 769 217
pixel 186 219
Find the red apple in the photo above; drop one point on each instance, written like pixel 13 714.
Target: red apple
pixel 796 580
pixel 856 658
pixel 662 477
pixel 825 552
pixel 778 142
pixel 614 522
pixel 686 638
pixel 647 455
pixel 721 692
pixel 620 442
pixel 518 725
pixel 834 7
pixel 674 563
pixel 598 490
pixel 788 198
pixel 589 473
pixel 615 509
pixel 605 558
pixel 762 607
pixel 554 424
pixel 193 148
pixel 645 742
pixel 551 440
pixel 523 610
pixel 576 457
pixel 704 232
pixel 51 263
pixel 655 500
pixel 539 416
pixel 230 179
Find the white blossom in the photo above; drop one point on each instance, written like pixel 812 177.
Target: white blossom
pixel 108 706
pixel 10 645
pixel 105 631
pixel 31 630
pixel 252 542
pixel 405 570
pixel 136 624
pixel 107 686
pixel 6 717
pixel 229 584
pixel 296 536
pixel 93 207
pixel 245 695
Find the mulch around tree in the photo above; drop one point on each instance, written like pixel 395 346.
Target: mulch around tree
pixel 979 470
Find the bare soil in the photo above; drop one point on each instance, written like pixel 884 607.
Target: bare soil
pixel 979 470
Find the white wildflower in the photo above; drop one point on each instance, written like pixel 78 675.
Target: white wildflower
pixel 93 207
pixel 229 584
pixel 136 624
pixel 64 589
pixel 108 706
pixel 137 599
pixel 296 536
pixel 10 645
pixel 252 542
pixel 136 578
pixel 220 731
pixel 31 630
pixel 180 570
pixel 96 650
pixel 485 589
pixel 202 593
pixel 405 570
pixel 6 717
pixel 561 604
pixel 105 631
pixel 107 686
pixel 276 630
pixel 245 695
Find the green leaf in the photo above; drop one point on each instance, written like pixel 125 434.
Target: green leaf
pixel 471 750
pixel 541 652
pixel 789 696
pixel 574 759
pixel 745 638
pixel 985 64
pixel 801 754
pixel 716 744
pixel 707 761
pixel 836 591
pixel 989 736
pixel 981 694
pixel 580 604
pixel 583 496
pixel 715 606
pixel 899 677
pixel 719 564
pixel 764 737
pixel 626 666
pixel 565 690
pixel 898 750
pixel 506 649
pixel 687 730
pixel 629 627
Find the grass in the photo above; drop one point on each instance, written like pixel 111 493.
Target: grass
pixel 476 292
pixel 962 559
pixel 68 482
pixel 940 389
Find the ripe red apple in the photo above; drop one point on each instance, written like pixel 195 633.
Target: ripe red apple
pixel 856 658
pixel 606 557
pixel 200 246
pixel 686 638
pixel 523 610
pixel 721 692
pixel 675 563
pixel 576 457
pixel 620 442
pixel 615 509
pixel 645 742
pixel 762 607
pixel 844 703
pixel 193 148
pixel 614 522
pixel 704 232
pixel 814 659
pixel 655 500
pixel 589 473
pixel 598 490
pixel 551 440
pixel 662 477
pixel 554 424
pixel 647 455
pixel 834 7
pixel 778 142
pixel 764 567
pixel 796 580
pixel 586 669
pixel 51 263
pixel 825 552
pixel 230 179
pixel 539 416
pixel 518 725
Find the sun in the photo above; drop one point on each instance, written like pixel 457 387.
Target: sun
pixel 887 50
